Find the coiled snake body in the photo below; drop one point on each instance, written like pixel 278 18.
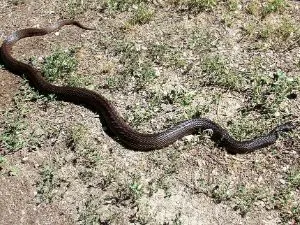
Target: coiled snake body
pixel 115 123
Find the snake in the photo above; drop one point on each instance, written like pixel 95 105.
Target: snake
pixel 125 134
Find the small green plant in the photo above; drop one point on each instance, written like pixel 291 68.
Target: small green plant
pixel 136 188
pixel 254 8
pixel 176 220
pixel 11 137
pixel 217 72
pixel 141 15
pixel 245 197
pixel 144 74
pixel 269 92
pixel 123 5
pixel 59 64
pixel 16 134
pixel 201 40
pixel 47 184
pixel 138 70
pixel 274 6
pixel 285 201
pixel 266 31
pixel 294 178
pixel 178 95
pixel 244 127
pixel 286 29
pixel 232 5
pixel 165 55
pixel 89 214
pixel 2 160
pixel 75 7
pixel 201 5
pixel 220 193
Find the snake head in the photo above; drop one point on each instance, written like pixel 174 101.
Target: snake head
pixel 286 127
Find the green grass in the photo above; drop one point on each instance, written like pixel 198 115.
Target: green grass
pixel 265 8
pixel 15 125
pixel 123 5
pixel 47 185
pixel 17 133
pixel 137 69
pixel 164 55
pixel 217 72
pixel 141 65
pixel 244 198
pixel 136 188
pixel 141 15
pixel 75 7
pixel 232 5
pixel 273 6
pixel 254 7
pixel 201 5
pixel 269 93
pixel 86 152
pixel 12 136
pixel 59 65
pixel 90 215
pixel 287 29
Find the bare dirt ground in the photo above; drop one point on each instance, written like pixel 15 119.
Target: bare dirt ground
pixel 159 62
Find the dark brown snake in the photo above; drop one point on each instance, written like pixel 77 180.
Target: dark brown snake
pixel 115 123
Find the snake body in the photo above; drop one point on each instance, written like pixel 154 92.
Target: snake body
pixel 125 134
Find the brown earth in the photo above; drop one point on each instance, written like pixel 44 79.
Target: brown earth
pixel 71 172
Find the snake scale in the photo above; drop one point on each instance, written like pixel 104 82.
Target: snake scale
pixel 125 134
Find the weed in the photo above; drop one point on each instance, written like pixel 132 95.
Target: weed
pixel 232 5
pixel 176 220
pixel 89 214
pixel 86 154
pixel 269 92
pixel 2 160
pixel 286 29
pixel 201 5
pixel 274 6
pixel 244 198
pixel 242 127
pixel 11 138
pixel 285 201
pixel 15 134
pixel 137 70
pixel 220 193
pixel 140 115
pixel 266 31
pixel 165 55
pixel 144 74
pixel 218 73
pixel 254 8
pixel 178 95
pixel 59 64
pixel 75 7
pixel 123 5
pixel 294 179
pixel 136 188
pixel 45 188
pixel 141 15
